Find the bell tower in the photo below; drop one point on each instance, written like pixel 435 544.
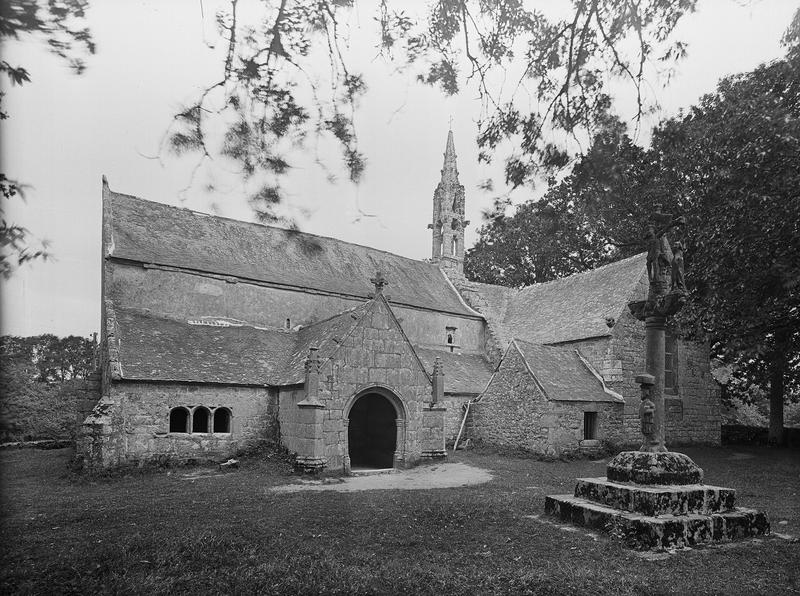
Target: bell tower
pixel 448 215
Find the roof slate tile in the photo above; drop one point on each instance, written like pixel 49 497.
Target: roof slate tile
pixel 149 232
pixel 562 374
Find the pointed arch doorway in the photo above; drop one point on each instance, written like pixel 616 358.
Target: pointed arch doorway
pixel 375 429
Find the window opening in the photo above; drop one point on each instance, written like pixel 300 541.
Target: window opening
pixel 670 362
pixel 179 420
pixel 450 337
pixel 454 247
pixel 589 425
pixel 200 420
pixel 222 420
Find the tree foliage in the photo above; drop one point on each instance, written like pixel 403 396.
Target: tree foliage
pixel 49 359
pixel 60 25
pixel 729 165
pixel 534 73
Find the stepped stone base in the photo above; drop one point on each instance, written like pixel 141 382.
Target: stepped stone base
pixel 653 500
pixel 642 531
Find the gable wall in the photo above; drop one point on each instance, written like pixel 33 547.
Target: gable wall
pixel 514 413
pixel 187 295
pixel 374 354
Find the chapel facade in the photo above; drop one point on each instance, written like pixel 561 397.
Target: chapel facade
pixel 218 335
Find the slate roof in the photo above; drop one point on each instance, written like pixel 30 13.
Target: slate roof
pixel 463 373
pixel 574 307
pixel 563 375
pixel 155 348
pixel 148 232
pixel 325 335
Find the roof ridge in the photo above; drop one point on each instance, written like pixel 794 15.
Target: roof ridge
pixel 579 274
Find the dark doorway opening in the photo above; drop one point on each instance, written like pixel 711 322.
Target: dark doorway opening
pixel 372 432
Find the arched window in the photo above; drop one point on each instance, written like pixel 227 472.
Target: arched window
pixel 179 420
pixel 200 418
pixel 222 420
pixel 454 247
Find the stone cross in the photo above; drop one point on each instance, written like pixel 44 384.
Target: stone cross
pixel 666 296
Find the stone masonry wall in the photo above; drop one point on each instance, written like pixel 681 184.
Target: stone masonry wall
pixel 454 415
pixel 132 423
pixel 188 295
pixel 692 413
pixel 514 413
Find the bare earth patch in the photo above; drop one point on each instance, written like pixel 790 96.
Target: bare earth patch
pixel 446 475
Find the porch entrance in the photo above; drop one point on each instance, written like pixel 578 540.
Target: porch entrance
pixel 372 432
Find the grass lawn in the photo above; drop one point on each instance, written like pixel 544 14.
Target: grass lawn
pixel 160 533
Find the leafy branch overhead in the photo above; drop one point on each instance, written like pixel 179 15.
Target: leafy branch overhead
pixel 729 165
pixel 535 74
pixel 60 25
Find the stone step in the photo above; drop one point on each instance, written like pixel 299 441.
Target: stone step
pixel 371 471
pixel 642 531
pixel 657 499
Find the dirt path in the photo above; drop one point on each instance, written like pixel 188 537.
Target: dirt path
pixel 445 475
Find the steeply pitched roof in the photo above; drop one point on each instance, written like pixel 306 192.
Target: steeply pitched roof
pixel 575 307
pixel 148 232
pixel 463 373
pixel 563 375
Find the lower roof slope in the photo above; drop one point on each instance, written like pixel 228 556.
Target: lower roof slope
pixel 157 348
pixel 564 375
pixel 463 373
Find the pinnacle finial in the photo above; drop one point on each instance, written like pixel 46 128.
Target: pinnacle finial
pixel 450 165
pixel 380 282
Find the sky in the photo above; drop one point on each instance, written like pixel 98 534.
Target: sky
pixel 66 131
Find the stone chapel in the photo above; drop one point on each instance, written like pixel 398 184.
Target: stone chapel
pixel 218 335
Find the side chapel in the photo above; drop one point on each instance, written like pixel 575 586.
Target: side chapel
pixel 218 334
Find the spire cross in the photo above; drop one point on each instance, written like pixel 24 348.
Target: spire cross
pixel 379 282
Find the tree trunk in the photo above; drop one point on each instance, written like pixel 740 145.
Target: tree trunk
pixel 777 436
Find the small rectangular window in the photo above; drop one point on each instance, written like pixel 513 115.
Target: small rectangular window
pixel 589 425
pixel 670 363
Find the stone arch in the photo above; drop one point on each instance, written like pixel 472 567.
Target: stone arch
pixel 375 421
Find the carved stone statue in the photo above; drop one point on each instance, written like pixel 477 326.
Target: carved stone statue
pixel 647 410
pixel 678 282
pixel 653 245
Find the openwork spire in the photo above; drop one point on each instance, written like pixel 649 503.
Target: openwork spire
pixel 448 214
pixel 450 168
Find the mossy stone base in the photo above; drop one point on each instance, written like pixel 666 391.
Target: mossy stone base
pixel 663 531
pixel 644 467
pixel 658 499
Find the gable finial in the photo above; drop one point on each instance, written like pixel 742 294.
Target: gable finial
pixel 379 281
